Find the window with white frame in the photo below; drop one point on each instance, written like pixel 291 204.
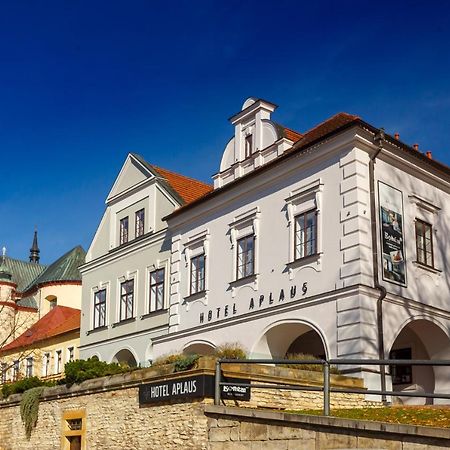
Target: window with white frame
pixel 305 234
pixel 139 222
pixel 198 274
pixel 123 231
pixel 16 370
pixel 46 365
pixel 244 244
pixel 58 361
pixel 196 250
pixel 424 243
pixel 4 372
pixel 248 145
pixel 126 299
pixel 100 308
pixel 303 212
pixel 245 256
pixel 29 367
pixel 157 289
pixel 70 354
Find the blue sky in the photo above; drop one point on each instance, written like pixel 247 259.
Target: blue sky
pixel 84 83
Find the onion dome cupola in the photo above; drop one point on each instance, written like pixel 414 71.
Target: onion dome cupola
pixel 34 250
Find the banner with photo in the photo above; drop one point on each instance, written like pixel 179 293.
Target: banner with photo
pixel 392 243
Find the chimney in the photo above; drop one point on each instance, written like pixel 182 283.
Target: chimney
pixel 429 155
pixel 397 136
pixel 416 147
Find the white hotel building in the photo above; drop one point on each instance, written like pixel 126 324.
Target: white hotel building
pixel 332 242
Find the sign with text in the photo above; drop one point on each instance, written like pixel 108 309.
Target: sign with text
pixel 232 391
pixel 191 387
pixel 392 242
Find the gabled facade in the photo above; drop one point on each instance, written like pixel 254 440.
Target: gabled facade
pixel 126 275
pixel 335 246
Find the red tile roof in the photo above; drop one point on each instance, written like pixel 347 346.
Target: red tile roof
pixel 187 188
pixel 328 126
pixel 292 135
pixel 60 320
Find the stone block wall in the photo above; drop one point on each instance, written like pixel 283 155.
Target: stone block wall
pixel 238 429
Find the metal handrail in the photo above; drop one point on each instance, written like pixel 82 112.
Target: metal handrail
pixel 326 388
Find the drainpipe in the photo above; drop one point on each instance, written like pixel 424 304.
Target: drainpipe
pixel 378 140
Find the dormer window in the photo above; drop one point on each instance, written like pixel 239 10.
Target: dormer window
pixel 248 146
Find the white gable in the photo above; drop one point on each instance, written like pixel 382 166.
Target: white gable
pixel 132 174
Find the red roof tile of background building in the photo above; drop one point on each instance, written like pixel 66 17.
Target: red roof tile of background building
pixel 187 188
pixel 60 320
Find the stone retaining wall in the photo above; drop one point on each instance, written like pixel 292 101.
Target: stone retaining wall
pixel 114 419
pixel 243 429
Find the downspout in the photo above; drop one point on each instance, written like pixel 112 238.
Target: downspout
pixel 378 140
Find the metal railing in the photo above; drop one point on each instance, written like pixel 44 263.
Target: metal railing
pixel 326 386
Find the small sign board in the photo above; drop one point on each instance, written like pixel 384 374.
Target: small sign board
pixel 191 387
pixel 234 391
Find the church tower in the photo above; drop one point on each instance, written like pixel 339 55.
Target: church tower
pixel 34 250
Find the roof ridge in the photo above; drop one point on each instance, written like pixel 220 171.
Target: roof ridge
pixel 339 114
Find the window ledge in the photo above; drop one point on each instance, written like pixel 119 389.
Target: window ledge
pixel 304 261
pixel 95 330
pixel 427 268
pixel 154 313
pixel 244 280
pixel 123 322
pixel 196 296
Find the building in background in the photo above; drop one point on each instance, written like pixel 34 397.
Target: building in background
pixel 37 304
pixel 126 275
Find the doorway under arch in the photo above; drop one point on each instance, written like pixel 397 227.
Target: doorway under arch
pixel 421 339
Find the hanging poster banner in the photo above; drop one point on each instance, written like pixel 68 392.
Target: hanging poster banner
pixel 392 243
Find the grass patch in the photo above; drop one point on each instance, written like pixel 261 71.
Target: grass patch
pixel 414 415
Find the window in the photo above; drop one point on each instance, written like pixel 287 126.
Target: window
pixel 4 372
pixel 52 301
pixel 29 367
pixel 16 367
pixel 100 308
pixel 123 230
pixel 198 274
pixel 246 256
pixel 70 354
pixel 157 289
pixel 126 299
pixel 424 243
pixel 305 234
pixel 46 365
pixel 139 223
pixel 248 146
pixel 74 430
pixel 58 361
pixel 401 374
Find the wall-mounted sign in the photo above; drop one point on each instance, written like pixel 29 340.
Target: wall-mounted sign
pixel 222 312
pixel 191 387
pixel 392 242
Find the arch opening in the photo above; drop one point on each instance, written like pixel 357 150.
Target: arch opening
pixel 125 357
pixel 290 338
pixel 199 348
pixel 420 339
